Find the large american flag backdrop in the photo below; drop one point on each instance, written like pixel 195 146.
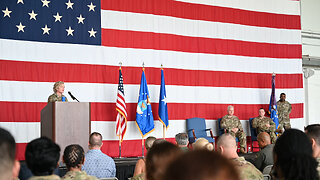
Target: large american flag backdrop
pixel 214 52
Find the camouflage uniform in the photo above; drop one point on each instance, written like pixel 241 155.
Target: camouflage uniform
pixel 260 125
pixel 229 122
pixel 139 177
pixel 54 97
pixel 318 168
pixel 78 175
pixel 247 170
pixel 284 109
pixel 50 177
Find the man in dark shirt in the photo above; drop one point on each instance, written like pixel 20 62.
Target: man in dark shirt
pixel 264 156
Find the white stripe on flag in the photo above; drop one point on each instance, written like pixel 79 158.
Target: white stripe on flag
pixel 84 54
pixel 16 91
pixel 196 28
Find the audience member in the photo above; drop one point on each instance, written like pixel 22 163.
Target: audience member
pixel 97 163
pixel 232 125
pixel 140 169
pixel 265 124
pixel 158 157
pixel 182 141
pixel 42 156
pixel 264 156
pixel 73 157
pixel 227 146
pixel 9 167
pixel 158 141
pixel 202 143
pixel 201 165
pixel 293 157
pixel 313 132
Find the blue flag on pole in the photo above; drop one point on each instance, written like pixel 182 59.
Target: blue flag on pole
pixel 273 103
pixel 144 117
pixel 163 109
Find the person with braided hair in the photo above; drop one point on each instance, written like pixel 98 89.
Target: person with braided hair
pixel 73 157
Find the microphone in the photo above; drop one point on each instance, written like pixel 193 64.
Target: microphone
pixel 74 98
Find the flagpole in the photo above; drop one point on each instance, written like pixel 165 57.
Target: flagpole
pixel 142 144
pixel 164 127
pixel 120 145
pixel 142 140
pixel 120 134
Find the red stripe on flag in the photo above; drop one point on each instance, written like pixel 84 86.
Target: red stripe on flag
pixel 20 151
pixel 20 111
pixel 204 12
pixel 30 111
pixel 52 72
pixel 181 111
pixel 129 148
pixel 171 42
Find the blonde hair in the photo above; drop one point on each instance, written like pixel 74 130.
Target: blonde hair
pixel 56 85
pixel 202 143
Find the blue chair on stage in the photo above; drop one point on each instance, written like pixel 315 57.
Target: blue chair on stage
pixel 253 132
pixel 197 129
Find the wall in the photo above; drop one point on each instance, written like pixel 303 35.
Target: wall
pixel 311 46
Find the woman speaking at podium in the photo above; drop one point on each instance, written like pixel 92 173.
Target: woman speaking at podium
pixel 58 89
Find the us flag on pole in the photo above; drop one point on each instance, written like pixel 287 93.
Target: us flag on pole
pixel 121 122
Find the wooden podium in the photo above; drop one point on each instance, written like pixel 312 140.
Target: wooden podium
pixel 67 123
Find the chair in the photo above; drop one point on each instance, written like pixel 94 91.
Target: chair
pixel 267 169
pixel 266 177
pixel 197 129
pixel 221 130
pixel 253 132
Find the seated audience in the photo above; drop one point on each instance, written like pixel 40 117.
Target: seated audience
pixel 9 167
pixel 42 156
pixel 227 146
pixel 73 157
pixel 97 163
pixel 140 169
pixel 293 157
pixel 313 132
pixel 182 141
pixel 264 156
pixel 202 143
pixel 158 157
pixel 265 124
pixel 201 165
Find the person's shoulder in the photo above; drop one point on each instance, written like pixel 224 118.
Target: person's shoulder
pixel 267 118
pixel 287 102
pixel 50 177
pixel 235 117
pixel 106 157
pixel 78 175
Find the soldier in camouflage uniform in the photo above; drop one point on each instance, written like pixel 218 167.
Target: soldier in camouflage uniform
pixel 49 177
pixel 247 170
pixel 227 146
pixel 231 124
pixel 284 109
pixel 78 175
pixel 58 89
pixel 265 124
pixel 42 156
pixel 73 157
